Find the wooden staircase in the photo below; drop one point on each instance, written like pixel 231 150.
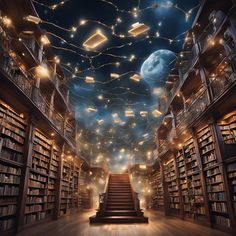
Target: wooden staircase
pixel 119 203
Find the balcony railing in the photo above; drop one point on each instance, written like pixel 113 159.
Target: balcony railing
pixel 208 34
pixel 16 76
pixel 189 60
pixel 27 86
pixel 193 111
pixel 223 77
pixel 70 132
pixel 163 147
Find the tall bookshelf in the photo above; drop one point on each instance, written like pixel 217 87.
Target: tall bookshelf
pixel 171 182
pixel 228 128
pixel 157 197
pixel 65 182
pixel 195 207
pixel 231 174
pixel 213 173
pixel 190 181
pixel 52 180
pixel 37 205
pixel 181 166
pixel 12 140
pixel 76 185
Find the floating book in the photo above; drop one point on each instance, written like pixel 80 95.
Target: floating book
pixel 91 109
pixel 33 19
pixel 115 76
pixel 135 77
pixel 129 113
pixel 143 113
pixel 156 113
pixel 138 28
pixel 141 143
pixel 89 80
pixel 100 122
pixel 95 40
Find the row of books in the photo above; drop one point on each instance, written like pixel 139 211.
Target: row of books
pixel 13 135
pixel 8 190
pixel 12 145
pixel 6 224
pixel 11 155
pixel 31 218
pixel 9 170
pixel 219 207
pixel 7 210
pixel 9 179
pixel 36 184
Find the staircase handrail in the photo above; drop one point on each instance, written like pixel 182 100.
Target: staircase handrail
pixel 103 196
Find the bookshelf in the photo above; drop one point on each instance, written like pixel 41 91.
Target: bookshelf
pixel 213 174
pixel 52 180
pixel 76 185
pixel 181 166
pixel 37 195
pixel 190 181
pixel 228 128
pixel 206 147
pixel 12 129
pixel 231 174
pixel 157 201
pixel 171 182
pixel 65 182
pixel 12 140
pixel 196 207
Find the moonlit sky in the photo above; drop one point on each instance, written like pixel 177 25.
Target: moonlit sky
pixel 107 136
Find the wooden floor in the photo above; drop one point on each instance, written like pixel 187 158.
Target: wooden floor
pixel 159 225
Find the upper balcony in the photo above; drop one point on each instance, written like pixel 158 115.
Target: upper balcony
pixel 41 96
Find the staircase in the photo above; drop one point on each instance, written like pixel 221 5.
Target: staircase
pixel 119 204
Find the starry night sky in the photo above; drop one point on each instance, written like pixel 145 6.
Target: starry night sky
pixel 107 141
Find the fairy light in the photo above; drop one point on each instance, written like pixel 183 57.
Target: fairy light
pixel 44 40
pixel 7 21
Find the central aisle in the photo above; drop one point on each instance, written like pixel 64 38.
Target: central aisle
pixel 159 225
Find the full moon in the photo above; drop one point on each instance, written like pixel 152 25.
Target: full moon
pixel 157 66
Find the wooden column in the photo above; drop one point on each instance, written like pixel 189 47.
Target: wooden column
pixel 28 149
pixel 205 83
pixel 52 104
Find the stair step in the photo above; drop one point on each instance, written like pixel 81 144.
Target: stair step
pixel 121 213
pixel 127 199
pixel 119 219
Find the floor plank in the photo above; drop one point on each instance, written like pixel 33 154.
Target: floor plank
pixel 78 225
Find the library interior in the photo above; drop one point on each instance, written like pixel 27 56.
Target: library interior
pixel 117 117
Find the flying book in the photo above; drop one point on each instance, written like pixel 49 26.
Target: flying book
pixel 129 113
pixel 156 113
pixel 89 80
pixel 115 76
pixel 95 40
pixel 33 19
pixel 135 77
pixel 138 28
pixel 91 109
pixel 143 113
